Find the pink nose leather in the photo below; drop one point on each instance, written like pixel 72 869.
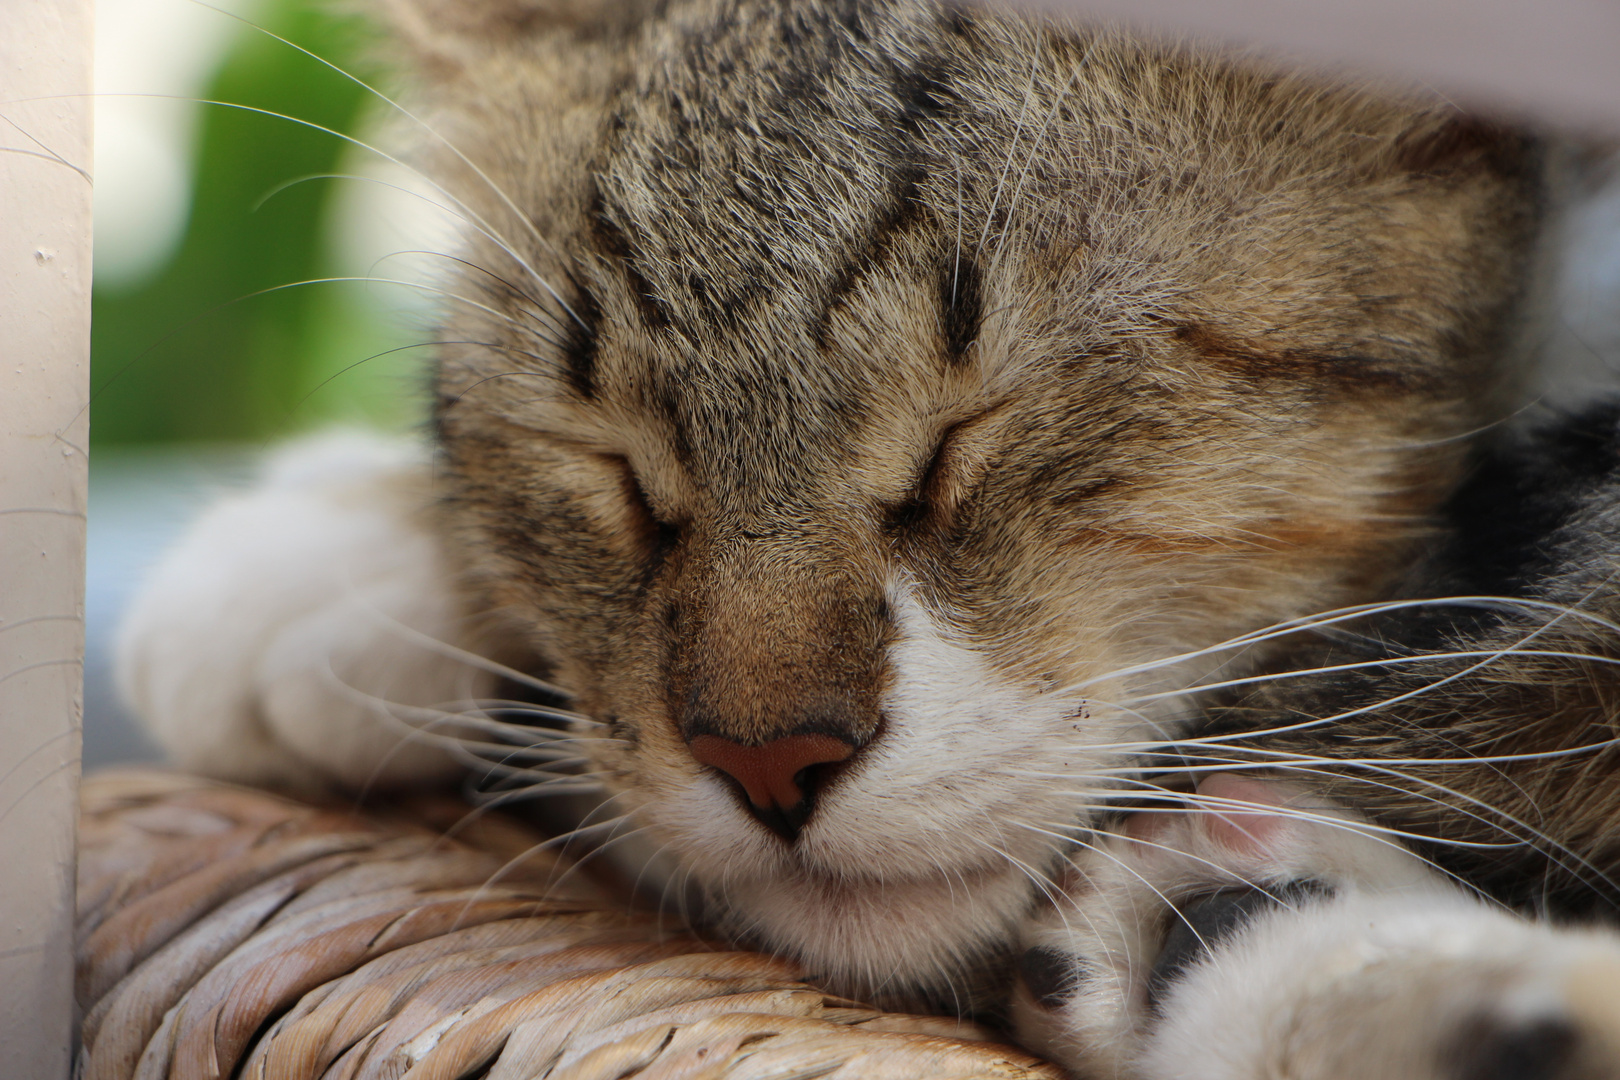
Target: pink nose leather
pixel 767 772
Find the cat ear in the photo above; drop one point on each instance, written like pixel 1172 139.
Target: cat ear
pixel 445 34
pixel 1451 141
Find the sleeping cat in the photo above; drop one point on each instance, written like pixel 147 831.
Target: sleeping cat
pixel 878 418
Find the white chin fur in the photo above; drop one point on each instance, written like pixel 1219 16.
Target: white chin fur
pixel 879 937
pixel 263 646
pixel 924 854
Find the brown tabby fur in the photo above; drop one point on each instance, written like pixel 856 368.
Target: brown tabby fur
pixel 1113 348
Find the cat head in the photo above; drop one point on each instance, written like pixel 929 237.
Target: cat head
pixel 856 404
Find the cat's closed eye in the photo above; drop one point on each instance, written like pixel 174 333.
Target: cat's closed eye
pixel 945 483
pixel 658 526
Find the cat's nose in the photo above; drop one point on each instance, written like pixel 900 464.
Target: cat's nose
pixel 776 776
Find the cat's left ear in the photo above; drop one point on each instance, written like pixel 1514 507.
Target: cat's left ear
pixel 445 35
pixel 1448 141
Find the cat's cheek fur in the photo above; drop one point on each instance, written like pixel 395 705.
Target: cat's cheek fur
pixel 927 846
pixel 264 646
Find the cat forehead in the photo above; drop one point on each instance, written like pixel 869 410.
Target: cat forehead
pixel 768 146
pixel 763 160
pixel 779 220
pixel 766 188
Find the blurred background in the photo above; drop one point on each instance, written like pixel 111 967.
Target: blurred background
pixel 218 325
pixel 221 229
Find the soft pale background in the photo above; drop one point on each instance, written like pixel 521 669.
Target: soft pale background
pixel 219 231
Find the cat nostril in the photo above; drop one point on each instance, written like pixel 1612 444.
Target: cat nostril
pixel 771 774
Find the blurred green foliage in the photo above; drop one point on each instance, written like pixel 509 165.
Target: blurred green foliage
pixel 216 346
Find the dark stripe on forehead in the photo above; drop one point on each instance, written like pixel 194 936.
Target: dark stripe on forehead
pixel 924 93
pixel 902 211
pixel 580 342
pixel 961 305
pixel 612 242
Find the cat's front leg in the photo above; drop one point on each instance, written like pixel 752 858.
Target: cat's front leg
pixel 307 633
pixel 1256 933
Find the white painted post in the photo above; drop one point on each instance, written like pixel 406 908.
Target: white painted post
pixel 45 52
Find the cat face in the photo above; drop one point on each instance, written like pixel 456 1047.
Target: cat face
pixel 842 399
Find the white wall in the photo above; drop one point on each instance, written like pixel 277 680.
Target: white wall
pixel 1552 59
pixel 44 423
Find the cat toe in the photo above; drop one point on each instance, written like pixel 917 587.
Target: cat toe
pixel 1144 907
pixel 1570 1032
pixel 1491 1049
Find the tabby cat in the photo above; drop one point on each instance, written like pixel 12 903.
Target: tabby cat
pixel 913 437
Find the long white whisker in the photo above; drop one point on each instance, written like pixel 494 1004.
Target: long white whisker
pixel 1123 865
pixel 1034 149
pixel 1179 747
pixel 1334 617
pixel 1018 134
pixel 1483 813
pixel 1174 802
pixel 515 861
pixel 45 151
pixel 483 663
pixel 1362 665
pixel 537 308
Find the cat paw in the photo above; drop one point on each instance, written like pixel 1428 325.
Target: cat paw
pixel 286 640
pixel 1258 933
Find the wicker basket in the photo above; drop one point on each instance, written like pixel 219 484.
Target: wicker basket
pixel 226 932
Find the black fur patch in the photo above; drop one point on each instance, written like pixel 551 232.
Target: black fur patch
pixel 613 242
pixel 1519 495
pixel 1052 976
pixel 902 212
pixel 1493 1049
pixel 442 404
pixel 961 302
pixel 957 21
pixel 924 94
pixel 580 342
pixel 1468 142
pixel 906 516
pixel 1200 924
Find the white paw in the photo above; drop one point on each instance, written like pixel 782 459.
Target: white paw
pixel 1256 934
pixel 283 641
